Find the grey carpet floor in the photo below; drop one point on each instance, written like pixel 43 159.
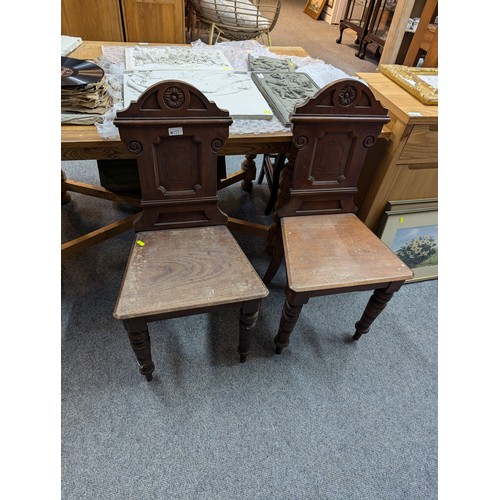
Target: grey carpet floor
pixel 327 419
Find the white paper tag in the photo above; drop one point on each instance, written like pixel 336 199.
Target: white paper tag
pixel 414 113
pixel 175 131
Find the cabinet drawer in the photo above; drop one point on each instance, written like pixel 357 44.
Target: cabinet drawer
pixel 421 146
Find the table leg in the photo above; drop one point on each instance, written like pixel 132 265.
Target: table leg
pixel 285 183
pixel 65 196
pixel 250 169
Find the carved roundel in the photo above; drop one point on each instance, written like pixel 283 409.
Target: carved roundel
pixel 347 95
pixel 368 141
pixel 174 97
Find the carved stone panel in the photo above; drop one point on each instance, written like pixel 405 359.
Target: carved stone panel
pixel 143 57
pixel 230 90
pixel 264 64
pixel 284 90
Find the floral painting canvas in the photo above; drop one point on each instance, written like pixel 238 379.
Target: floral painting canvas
pixel 417 246
pixel 413 236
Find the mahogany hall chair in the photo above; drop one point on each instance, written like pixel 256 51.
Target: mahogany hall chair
pixel 326 248
pixel 184 260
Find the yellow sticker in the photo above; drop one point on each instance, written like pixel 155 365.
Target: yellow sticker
pixel 140 243
pixel 401 220
pixel 268 112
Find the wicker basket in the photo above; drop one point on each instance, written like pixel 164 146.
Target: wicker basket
pixel 238 19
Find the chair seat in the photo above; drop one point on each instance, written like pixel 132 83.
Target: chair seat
pixel 182 269
pixel 325 252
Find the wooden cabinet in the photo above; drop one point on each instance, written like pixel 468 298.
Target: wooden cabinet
pixel 405 165
pixel 370 20
pixel 92 19
pixel 379 26
pixel 153 21
pixel 357 18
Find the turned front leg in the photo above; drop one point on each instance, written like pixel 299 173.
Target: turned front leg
pixel 250 169
pixel 375 306
pixel 138 335
pixel 249 313
pixel 289 316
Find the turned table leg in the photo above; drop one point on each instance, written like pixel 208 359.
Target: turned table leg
pixel 138 335
pixel 375 306
pixel 65 196
pixel 249 313
pixel 250 169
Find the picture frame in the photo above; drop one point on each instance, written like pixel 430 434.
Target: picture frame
pixel 419 203
pixel 313 8
pixel 412 234
pixel 422 83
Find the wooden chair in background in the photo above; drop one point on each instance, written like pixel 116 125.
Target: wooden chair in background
pixel 326 248
pixel 184 260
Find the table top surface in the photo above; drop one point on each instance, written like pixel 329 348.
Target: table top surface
pixel 93 49
pixel 87 135
pixel 400 102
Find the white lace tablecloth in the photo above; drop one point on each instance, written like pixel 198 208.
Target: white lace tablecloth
pixel 113 64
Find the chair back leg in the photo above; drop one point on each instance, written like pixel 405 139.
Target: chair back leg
pixel 276 259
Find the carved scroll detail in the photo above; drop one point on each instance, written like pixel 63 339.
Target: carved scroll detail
pixel 216 144
pixel 135 147
pixel 369 141
pixel 301 142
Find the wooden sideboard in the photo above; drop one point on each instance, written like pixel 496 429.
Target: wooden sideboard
pixel 124 20
pixel 404 165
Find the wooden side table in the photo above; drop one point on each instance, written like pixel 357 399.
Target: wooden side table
pixel 405 165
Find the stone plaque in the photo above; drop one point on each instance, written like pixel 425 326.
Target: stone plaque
pixel 230 90
pixel 284 90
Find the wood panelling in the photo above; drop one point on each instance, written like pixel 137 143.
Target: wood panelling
pixel 92 19
pixel 421 145
pixel 154 20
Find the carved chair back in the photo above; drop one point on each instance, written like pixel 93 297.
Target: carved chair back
pixel 175 133
pixel 332 132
